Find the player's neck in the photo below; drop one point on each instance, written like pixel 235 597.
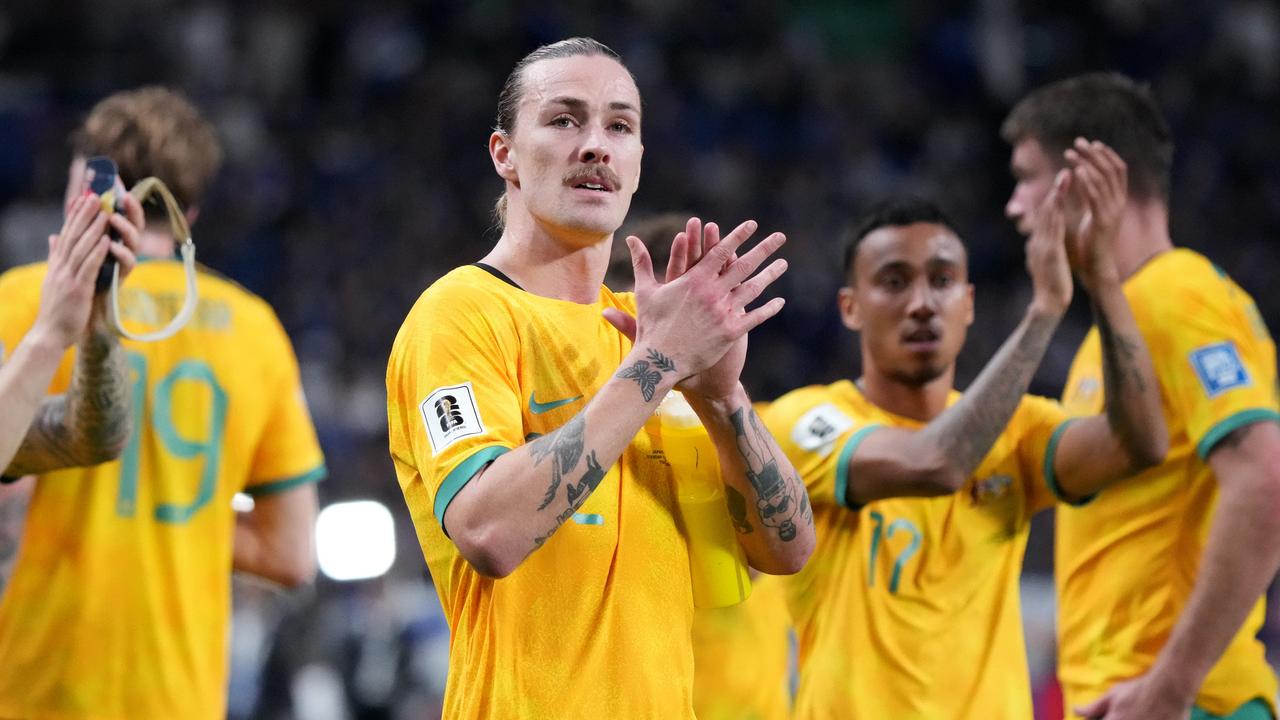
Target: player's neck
pixel 917 402
pixel 543 263
pixel 1144 233
pixel 155 244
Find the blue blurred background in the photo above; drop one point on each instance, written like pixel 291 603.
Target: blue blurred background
pixel 356 173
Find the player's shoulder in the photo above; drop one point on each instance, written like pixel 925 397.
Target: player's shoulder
pixel 250 309
pixel 462 288
pixel 1180 277
pixel 457 303
pixel 1033 410
pixel 837 398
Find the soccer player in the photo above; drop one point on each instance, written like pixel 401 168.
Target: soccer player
pixel 923 497
pixel 90 423
pixel 725 687
pixel 120 600
pixel 516 411
pixel 1160 581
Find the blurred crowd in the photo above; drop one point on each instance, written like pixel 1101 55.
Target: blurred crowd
pixel 357 173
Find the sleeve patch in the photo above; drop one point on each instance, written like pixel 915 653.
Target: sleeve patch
pixel 450 414
pixel 818 429
pixel 1219 368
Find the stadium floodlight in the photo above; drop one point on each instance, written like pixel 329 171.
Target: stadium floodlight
pixel 355 540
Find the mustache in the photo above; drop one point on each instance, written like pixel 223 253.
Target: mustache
pixel 593 172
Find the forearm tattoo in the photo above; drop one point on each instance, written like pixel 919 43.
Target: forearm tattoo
pixel 90 422
pixel 13 513
pixel 779 499
pixel 648 373
pixel 1120 355
pixel 971 426
pixel 565 448
pixel 1121 376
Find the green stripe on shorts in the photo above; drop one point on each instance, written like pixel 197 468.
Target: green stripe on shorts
pixel 1253 710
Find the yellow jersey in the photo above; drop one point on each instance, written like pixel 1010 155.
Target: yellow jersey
pixel 596 622
pixel 909 607
pixel 741 657
pixel 120 602
pixel 1126 563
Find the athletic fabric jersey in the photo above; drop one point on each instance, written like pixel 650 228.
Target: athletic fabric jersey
pixel 120 602
pixel 909 607
pixel 741 657
pixel 596 622
pixel 1127 562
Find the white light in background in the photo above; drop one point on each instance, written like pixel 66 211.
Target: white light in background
pixel 355 540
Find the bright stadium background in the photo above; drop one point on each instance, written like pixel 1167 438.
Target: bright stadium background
pixel 356 173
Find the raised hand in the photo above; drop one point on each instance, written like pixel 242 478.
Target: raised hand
pixel 1100 187
pixel 698 317
pixel 1047 260
pixel 75 254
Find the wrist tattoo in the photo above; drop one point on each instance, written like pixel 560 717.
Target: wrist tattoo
pixel 648 373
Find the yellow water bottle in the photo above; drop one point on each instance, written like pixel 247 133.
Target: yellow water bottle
pixel 717 564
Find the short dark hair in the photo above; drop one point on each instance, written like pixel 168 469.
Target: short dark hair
pixel 1109 107
pixel 513 88
pixel 892 212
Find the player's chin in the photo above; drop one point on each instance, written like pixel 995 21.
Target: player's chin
pixel 920 371
pixel 596 221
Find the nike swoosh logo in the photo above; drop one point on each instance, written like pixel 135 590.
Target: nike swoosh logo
pixel 538 408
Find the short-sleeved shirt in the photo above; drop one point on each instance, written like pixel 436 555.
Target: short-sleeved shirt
pixel 909 607
pixel 596 622
pixel 1126 564
pixel 120 601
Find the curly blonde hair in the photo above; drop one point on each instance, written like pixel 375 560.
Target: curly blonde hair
pixel 153 131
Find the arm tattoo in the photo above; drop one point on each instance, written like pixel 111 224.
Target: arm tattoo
pixel 1121 376
pixel 1119 354
pixel 648 373
pixel 577 494
pixel 564 446
pixel 777 497
pixel 87 425
pixel 968 429
pixel 13 512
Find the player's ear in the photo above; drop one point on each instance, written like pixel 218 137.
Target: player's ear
pixel 503 156
pixel 847 301
pixel 968 302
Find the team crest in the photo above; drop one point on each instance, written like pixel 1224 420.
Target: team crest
pixel 818 429
pixel 990 489
pixel 1219 368
pixel 450 414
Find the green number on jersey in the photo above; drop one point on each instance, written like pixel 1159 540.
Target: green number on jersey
pixel 911 549
pixel 167 432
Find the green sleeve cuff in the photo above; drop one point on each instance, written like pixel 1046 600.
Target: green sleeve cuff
pixel 275 487
pixel 1230 424
pixel 1051 477
pixel 842 467
pixel 461 475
